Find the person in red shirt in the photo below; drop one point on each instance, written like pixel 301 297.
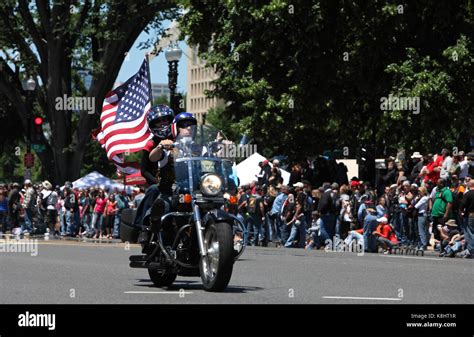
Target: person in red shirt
pixel 97 216
pixel 432 169
pixel 109 215
pixel 385 235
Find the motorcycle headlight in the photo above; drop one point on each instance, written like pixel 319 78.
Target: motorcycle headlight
pixel 211 184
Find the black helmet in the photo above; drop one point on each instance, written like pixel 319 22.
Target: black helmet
pixel 156 114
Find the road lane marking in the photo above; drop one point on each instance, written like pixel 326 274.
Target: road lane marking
pixel 414 257
pixel 158 292
pixel 364 298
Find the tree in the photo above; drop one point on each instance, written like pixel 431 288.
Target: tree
pixel 305 76
pixel 53 43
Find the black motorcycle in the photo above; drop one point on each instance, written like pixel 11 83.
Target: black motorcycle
pixel 198 238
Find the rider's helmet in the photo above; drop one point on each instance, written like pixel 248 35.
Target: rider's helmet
pixel 183 119
pixel 156 114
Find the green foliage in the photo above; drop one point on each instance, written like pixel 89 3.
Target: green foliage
pixel 301 77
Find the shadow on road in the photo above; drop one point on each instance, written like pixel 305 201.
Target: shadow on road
pixel 197 285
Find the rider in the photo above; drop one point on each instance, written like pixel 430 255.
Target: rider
pixel 159 121
pixel 183 125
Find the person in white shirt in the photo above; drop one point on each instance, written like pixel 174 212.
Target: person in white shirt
pixel 464 166
pixel 447 162
pixel 423 224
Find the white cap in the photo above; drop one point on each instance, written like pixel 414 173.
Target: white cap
pixel 298 185
pixel 27 182
pixel 382 220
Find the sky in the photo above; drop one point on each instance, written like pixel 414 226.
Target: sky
pixel 158 66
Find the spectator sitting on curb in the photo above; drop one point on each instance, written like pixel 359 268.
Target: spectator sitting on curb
pixel 385 235
pixel 449 233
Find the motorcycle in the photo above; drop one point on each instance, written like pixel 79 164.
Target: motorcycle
pixel 198 237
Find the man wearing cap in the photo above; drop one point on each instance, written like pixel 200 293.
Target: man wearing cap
pixel 29 203
pixel 417 159
pixel 467 207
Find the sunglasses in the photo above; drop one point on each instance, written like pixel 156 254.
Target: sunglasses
pixel 185 124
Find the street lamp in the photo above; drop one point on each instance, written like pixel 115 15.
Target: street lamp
pixel 173 54
pixel 30 88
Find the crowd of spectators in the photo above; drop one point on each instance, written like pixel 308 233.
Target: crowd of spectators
pixel 40 209
pixel 426 203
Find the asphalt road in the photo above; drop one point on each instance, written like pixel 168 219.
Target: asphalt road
pixel 87 273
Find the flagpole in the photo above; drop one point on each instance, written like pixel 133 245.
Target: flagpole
pixel 147 55
pixel 124 176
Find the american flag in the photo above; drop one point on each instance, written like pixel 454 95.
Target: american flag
pixel 124 126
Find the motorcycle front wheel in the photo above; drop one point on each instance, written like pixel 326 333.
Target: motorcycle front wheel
pixel 216 267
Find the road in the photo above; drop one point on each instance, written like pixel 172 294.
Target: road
pixel 66 272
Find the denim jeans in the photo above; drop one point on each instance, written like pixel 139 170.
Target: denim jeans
pixel 96 224
pixel 28 225
pixel 327 226
pixel 401 224
pixel 469 234
pixel 423 230
pixel 254 228
pixel 150 195
pixel 284 231
pixel 298 232
pixel 118 218
pixel 86 222
pixel 353 235
pixel 62 221
pixel 70 222
pixel 370 241
pixel 274 227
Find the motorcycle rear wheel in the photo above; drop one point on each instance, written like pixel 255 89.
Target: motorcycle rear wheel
pixel 216 267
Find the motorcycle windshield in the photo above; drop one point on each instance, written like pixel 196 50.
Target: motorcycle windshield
pixel 199 165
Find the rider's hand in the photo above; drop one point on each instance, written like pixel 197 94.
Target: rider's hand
pixel 166 143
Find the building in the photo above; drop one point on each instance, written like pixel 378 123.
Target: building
pixel 160 89
pixel 199 80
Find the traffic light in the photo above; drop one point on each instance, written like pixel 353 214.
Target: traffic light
pixel 37 137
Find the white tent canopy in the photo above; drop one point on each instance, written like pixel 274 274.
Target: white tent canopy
pixel 94 179
pixel 247 169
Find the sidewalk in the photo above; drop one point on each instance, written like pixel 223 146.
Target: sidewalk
pixel 64 238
